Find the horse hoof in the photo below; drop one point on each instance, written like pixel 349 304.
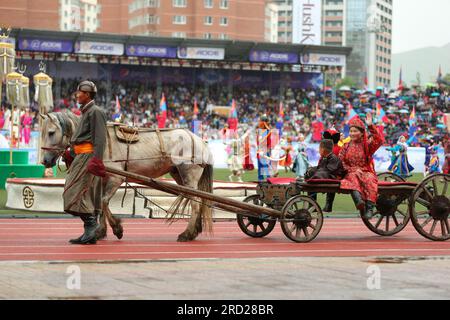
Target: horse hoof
pixel 186 237
pixel 118 233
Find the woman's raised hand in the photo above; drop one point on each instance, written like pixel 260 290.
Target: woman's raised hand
pixel 369 119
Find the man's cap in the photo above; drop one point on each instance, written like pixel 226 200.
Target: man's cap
pixel 87 86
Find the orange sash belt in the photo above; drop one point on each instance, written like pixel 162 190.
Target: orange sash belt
pixel 85 147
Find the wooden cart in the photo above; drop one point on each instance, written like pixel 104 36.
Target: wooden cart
pixel 427 204
pixel 301 217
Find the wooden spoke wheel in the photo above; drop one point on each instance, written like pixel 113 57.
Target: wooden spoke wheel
pixel 391 215
pixel 301 219
pixel 430 207
pixel 256 227
pixel 389 177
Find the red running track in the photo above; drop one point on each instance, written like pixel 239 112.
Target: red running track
pixel 46 240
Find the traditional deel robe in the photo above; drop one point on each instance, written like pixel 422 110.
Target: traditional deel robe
pixel 301 163
pixel 358 162
pixel 287 160
pixel 401 165
pixel 446 166
pixel 265 169
pixel 329 167
pixel 235 158
pixel 83 190
pixel 434 161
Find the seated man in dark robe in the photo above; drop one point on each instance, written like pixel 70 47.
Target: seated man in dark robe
pixel 329 167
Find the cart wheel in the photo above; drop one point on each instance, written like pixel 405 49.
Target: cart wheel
pixel 430 207
pixel 253 226
pixel 391 214
pixel 301 219
pixel 389 177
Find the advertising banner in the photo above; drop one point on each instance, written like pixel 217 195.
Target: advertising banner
pixel 320 59
pixel 273 57
pixel 114 49
pixel 201 53
pixel 44 45
pixel 307 22
pixel 151 51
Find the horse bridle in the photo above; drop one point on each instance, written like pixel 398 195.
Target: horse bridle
pixel 60 151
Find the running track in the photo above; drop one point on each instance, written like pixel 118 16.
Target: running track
pixel 144 239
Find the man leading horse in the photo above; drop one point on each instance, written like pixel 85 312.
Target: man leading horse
pixel 83 190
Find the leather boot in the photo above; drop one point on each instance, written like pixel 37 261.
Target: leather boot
pixel 329 204
pixel 90 228
pixel 357 199
pixel 370 210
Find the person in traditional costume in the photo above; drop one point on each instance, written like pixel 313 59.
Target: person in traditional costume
pixel 27 121
pixel 356 157
pixel 83 190
pixel 446 146
pixel 335 136
pixel 235 159
pixel 434 161
pixel 286 162
pixel 401 166
pixel 301 163
pixel 248 162
pixel 263 155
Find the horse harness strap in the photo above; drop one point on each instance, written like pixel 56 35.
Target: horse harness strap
pixel 161 143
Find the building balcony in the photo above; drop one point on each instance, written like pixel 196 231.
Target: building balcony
pixel 332 39
pixel 333 18
pixel 333 28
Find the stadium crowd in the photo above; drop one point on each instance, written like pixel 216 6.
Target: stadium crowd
pixel 139 105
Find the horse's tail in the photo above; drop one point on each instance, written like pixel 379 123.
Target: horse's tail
pixel 206 184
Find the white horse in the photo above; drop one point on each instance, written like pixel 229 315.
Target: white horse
pixel 178 152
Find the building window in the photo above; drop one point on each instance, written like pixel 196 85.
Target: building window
pixel 207 36
pixel 179 34
pixel 179 20
pixel 179 3
pixel 208 3
pixel 223 36
pixel 208 20
pixel 224 21
pixel 223 4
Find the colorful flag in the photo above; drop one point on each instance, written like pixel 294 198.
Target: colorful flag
pixel 281 114
pixel 400 81
pixel 350 113
pixel 412 117
pixel 318 112
pixel 162 112
pixel 381 114
pixel 233 110
pixel 195 106
pixel 366 80
pixel 117 105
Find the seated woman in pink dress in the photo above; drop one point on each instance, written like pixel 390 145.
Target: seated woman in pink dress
pixel 357 159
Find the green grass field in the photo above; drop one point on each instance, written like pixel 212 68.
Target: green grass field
pixel 343 203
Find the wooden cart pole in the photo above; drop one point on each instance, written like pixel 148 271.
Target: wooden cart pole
pixel 237 207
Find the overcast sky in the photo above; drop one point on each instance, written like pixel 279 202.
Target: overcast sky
pixel 419 23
